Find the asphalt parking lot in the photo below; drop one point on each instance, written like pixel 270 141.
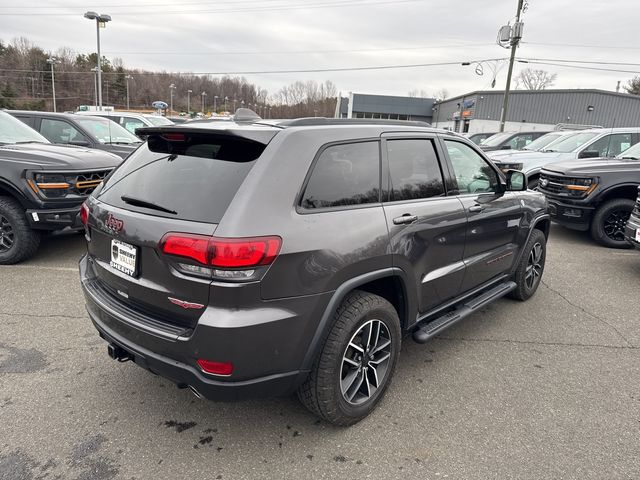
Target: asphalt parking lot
pixel 549 388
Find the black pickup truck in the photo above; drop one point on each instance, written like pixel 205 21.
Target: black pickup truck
pixel 595 195
pixel 41 186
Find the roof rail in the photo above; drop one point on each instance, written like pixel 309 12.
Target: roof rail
pixel 574 126
pixel 319 121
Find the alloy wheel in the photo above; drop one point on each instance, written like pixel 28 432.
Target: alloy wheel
pixel 614 224
pixel 365 362
pixel 7 235
pixel 534 266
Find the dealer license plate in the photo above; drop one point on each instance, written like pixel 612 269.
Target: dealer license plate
pixel 123 257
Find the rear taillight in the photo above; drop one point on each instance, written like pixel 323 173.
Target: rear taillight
pixel 84 214
pixel 222 253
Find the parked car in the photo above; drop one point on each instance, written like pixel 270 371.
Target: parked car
pixel 595 195
pixel 478 138
pixel 80 130
pixel 130 120
pixel 538 145
pixel 41 186
pixel 509 140
pixel 632 229
pixel 243 259
pixel 593 143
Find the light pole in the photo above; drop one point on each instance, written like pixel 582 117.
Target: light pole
pixel 204 96
pixel 127 78
pixel 172 87
pixel 101 21
pixel 226 99
pixel 95 84
pixel 52 61
pixel 189 92
pixel 215 103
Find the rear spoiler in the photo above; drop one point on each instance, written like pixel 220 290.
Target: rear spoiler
pixel 262 134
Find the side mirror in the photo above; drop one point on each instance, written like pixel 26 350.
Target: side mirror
pixel 589 154
pixel 516 181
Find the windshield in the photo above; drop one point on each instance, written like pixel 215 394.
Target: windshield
pixel 106 131
pixel 572 142
pixel 158 121
pixel 633 152
pixel 543 141
pixel 13 130
pixel 497 139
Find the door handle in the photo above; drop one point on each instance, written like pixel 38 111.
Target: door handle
pixel 405 219
pixel 476 208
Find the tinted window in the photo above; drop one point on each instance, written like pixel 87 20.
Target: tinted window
pixel 344 175
pixel 611 145
pixel 131 123
pixel 106 131
pixel 520 141
pixel 472 172
pixel 414 171
pixel 59 131
pixel 198 181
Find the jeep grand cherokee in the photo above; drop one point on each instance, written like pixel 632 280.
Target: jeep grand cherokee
pixel 251 259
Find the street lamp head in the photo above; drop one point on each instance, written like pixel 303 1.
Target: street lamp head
pixel 104 18
pixel 216 96
pixel 172 86
pixel 52 60
pixel 91 15
pixel 189 91
pixel 204 94
pixel 128 77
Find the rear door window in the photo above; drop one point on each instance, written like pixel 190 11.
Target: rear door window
pixel 197 181
pixel 414 170
pixel 344 175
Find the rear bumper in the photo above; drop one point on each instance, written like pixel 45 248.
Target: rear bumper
pixel 630 231
pixel 54 219
pixel 267 354
pixel 576 217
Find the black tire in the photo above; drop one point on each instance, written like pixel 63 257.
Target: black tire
pixel 607 225
pixel 17 241
pixel 529 272
pixel 322 392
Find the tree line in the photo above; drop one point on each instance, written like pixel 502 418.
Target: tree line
pixel 26 83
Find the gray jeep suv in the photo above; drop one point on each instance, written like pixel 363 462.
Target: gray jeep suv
pixel 245 259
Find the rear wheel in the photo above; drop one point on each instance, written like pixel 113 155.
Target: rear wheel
pixel 529 273
pixel 357 360
pixel 17 241
pixel 607 226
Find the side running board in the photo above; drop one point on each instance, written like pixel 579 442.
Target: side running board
pixel 429 330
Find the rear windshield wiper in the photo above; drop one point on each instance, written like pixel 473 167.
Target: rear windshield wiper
pixel 630 158
pixel 549 151
pixel 143 203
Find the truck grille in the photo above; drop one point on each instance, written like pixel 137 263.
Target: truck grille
pixel 85 183
pixel 553 184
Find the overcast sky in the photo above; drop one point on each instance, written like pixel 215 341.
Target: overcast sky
pixel 264 35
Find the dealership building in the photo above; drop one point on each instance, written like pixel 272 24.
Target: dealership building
pixel 480 111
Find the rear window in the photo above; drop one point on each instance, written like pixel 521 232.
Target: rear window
pixel 197 178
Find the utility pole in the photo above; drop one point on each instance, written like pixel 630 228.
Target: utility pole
pixel 189 92
pixel 516 35
pixel 172 87
pixel 52 61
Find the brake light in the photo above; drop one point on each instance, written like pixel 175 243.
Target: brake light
pixel 174 137
pixel 222 252
pixel 84 214
pixel 216 368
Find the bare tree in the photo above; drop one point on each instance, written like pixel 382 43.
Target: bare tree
pixel 633 86
pixel 417 93
pixel 531 79
pixel 441 94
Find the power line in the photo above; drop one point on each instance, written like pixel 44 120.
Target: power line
pixel 298 52
pixel 582 67
pixel 266 72
pixel 579 61
pixel 616 47
pixel 346 3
